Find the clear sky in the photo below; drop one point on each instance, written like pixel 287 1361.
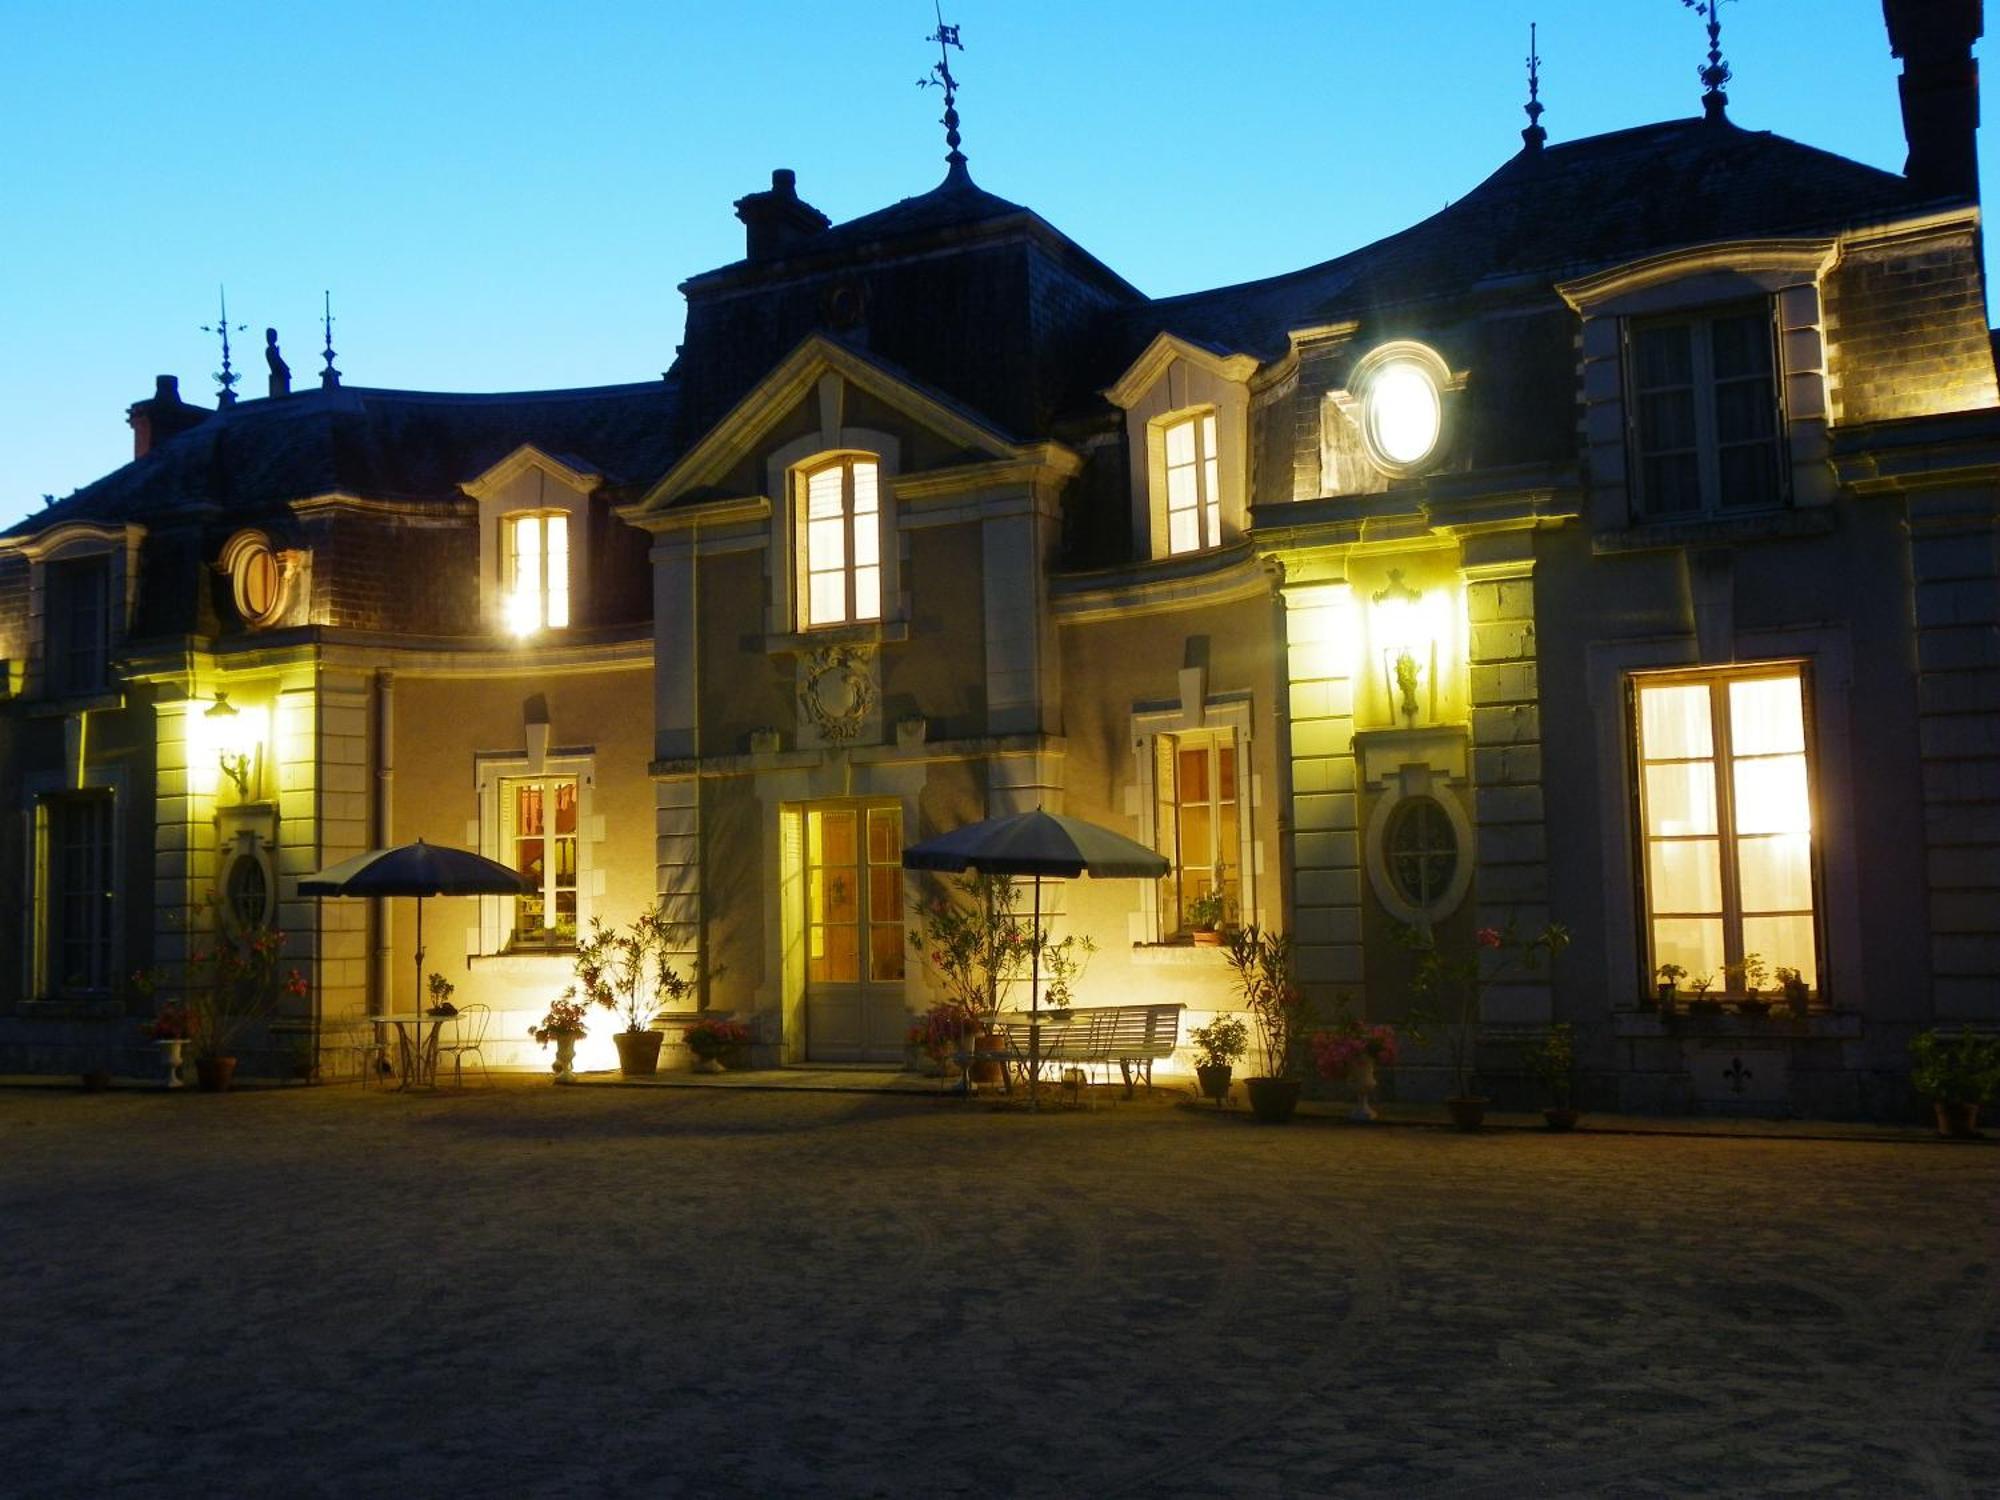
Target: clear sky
pixel 503 196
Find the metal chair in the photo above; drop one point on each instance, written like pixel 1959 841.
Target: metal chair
pixel 359 1040
pixel 468 1035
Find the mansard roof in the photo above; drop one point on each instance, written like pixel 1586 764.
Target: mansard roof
pixel 1546 216
pixel 376 444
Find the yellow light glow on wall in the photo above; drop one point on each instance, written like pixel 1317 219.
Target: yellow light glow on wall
pixel 1320 631
pixel 226 746
pixel 1412 635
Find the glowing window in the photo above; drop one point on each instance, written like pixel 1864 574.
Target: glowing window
pixel 539 834
pixel 840 543
pixel 1705 420
pixel 1725 798
pixel 1194 491
pixel 1403 413
pixel 1198 822
pixel 537 571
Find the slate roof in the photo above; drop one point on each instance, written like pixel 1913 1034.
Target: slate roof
pixel 386 445
pixel 1570 209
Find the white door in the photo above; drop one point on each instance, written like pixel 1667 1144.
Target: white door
pixel 854 934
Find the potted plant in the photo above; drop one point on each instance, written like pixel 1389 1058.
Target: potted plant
pixel 938 1035
pixel 712 1040
pixel 1797 992
pixel 1219 1044
pixel 1957 1074
pixel 1351 1051
pixel 632 972
pixel 171 1027
pixel 564 1025
pixel 1205 915
pixel 1444 990
pixel 1263 965
pixel 1669 976
pixel 1744 979
pixel 230 985
pixel 974 939
pixel 1700 1002
pixel 1551 1060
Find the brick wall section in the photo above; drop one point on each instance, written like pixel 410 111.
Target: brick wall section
pixel 1955 576
pixel 1326 843
pixel 1907 326
pixel 1510 871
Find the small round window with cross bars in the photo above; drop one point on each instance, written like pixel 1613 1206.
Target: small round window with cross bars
pixel 1420 848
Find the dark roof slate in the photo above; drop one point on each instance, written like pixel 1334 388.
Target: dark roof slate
pixel 1549 216
pixel 385 445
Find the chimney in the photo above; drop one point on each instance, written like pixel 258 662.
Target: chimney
pixel 154 421
pixel 1940 90
pixel 777 222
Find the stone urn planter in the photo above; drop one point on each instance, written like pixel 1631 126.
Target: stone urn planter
pixel 172 1050
pixel 564 1067
pixel 1361 1074
pixel 1273 1100
pixel 638 1053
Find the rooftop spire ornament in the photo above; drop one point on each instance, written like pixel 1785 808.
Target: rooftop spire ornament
pixel 940 77
pixel 225 378
pixel 1534 135
pixel 329 377
pixel 1714 102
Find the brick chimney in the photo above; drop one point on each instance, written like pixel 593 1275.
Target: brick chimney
pixel 154 421
pixel 777 222
pixel 1940 89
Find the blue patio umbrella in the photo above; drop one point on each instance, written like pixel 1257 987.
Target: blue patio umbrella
pixel 1036 844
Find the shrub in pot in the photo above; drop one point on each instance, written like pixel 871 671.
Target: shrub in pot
pixel 938 1036
pixel 631 971
pixel 1957 1074
pixel 1444 992
pixel 1350 1052
pixel 230 981
pixel 1205 915
pixel 1669 977
pixel 1551 1060
pixel 973 938
pixel 1263 965
pixel 1219 1044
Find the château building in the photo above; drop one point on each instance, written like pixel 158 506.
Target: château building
pixel 1616 546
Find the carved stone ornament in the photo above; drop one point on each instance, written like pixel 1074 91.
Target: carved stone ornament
pixel 837 690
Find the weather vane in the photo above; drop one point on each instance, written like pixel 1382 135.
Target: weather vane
pixel 329 377
pixel 225 378
pixel 940 77
pixel 1713 100
pixel 1534 135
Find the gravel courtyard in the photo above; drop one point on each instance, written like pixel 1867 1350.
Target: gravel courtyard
pixel 541 1291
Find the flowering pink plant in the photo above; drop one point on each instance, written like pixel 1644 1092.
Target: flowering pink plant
pixel 938 1032
pixel 565 1018
pixel 1445 985
pixel 712 1035
pixel 171 1023
pixel 1336 1052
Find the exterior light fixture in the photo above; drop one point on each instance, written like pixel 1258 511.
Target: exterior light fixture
pixel 1408 645
pixel 235 739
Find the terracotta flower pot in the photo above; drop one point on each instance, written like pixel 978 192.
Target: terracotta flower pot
pixel 1214 1080
pixel 213 1074
pixel 1273 1100
pixel 638 1053
pixel 988 1069
pixel 1561 1119
pixel 1207 937
pixel 1467 1114
pixel 1959 1121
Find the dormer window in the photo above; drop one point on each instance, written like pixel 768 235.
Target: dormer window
pixel 537 562
pixel 1705 421
pixel 840 542
pixel 79 625
pixel 1194 484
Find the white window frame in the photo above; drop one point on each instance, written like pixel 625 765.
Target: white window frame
pixel 854 525
pixel 1723 759
pixel 550 600
pixel 46 983
pixel 491 834
pixel 1205 469
pixel 1704 389
pixel 1230 714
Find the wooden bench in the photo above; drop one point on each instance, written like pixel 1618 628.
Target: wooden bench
pixel 1132 1036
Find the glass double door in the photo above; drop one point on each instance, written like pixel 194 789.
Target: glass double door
pixel 855 948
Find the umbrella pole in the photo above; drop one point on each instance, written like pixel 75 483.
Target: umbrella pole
pixel 1035 1005
pixel 417 1002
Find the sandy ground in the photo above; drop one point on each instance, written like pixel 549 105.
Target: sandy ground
pixel 543 1291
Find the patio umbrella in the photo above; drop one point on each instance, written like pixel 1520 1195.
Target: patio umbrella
pixel 419 870
pixel 1036 844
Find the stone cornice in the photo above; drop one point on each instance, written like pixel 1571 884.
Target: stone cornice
pixel 1914 453
pixel 172 660
pixel 342 502
pixel 1808 259
pixel 991 747
pixel 1169 583
pixel 94 536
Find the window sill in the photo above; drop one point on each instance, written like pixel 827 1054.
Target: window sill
pixel 1705 530
pixel 54 707
pixel 1818 1025
pixel 71 1008
pixel 523 960
pixel 1179 956
pixel 869 633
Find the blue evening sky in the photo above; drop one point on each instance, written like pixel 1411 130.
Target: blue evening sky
pixel 503 196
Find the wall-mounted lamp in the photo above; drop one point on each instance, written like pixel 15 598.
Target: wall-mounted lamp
pixel 1408 644
pixel 235 739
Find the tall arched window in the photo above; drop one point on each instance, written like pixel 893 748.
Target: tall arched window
pixel 840 542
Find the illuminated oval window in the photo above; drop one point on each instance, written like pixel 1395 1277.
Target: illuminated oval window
pixel 1404 413
pixel 256 577
pixel 1420 848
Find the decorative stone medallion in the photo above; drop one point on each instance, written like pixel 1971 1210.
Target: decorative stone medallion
pixel 837 690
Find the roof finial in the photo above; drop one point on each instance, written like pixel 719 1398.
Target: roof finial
pixel 1714 102
pixel 1534 135
pixel 329 377
pixel 225 378
pixel 940 77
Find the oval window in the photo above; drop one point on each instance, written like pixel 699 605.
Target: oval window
pixel 1404 412
pixel 257 578
pixel 248 892
pixel 1420 848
